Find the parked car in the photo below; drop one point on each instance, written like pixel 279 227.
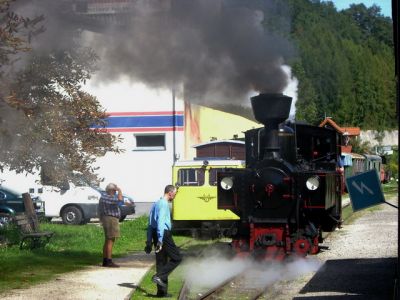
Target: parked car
pixel 127 208
pixel 11 202
pixel 75 205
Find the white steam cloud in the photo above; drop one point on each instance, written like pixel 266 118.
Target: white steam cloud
pixel 203 274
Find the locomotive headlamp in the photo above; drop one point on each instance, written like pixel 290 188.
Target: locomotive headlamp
pixel 226 183
pixel 312 183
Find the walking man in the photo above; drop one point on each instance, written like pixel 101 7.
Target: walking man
pixel 159 228
pixel 109 214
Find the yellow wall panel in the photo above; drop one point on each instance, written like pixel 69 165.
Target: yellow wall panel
pixel 203 124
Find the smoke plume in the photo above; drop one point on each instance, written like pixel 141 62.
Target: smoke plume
pixel 218 50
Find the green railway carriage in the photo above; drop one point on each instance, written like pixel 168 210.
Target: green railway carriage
pixel 374 162
pixel 355 164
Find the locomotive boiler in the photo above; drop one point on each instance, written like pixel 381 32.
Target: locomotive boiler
pixel 290 190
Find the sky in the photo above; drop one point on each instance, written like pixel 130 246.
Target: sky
pixel 385 5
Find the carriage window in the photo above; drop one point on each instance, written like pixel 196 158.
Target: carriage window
pixel 191 177
pixel 213 176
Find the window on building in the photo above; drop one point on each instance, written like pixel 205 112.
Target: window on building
pixel 191 177
pixel 149 142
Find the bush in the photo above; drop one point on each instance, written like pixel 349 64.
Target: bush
pixel 9 235
pixel 392 165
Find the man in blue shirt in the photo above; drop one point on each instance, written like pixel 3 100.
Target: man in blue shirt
pixel 159 228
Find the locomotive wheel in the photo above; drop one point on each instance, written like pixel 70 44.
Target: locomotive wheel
pixel 314 246
pixel 302 246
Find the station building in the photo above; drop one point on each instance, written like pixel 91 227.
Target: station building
pixel 156 128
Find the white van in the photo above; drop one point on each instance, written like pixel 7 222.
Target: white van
pixel 74 204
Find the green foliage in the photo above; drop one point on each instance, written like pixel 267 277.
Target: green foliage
pixel 392 163
pixel 345 65
pixel 359 146
pixel 9 235
pixel 390 189
pixel 307 97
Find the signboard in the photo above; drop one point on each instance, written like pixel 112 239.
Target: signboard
pixel 364 190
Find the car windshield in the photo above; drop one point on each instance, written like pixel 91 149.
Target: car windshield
pixel 10 190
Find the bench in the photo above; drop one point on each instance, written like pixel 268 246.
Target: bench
pixel 29 230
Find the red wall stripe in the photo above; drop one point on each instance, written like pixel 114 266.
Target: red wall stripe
pixel 144 113
pixel 138 129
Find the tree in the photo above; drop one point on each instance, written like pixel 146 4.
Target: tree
pixel 347 64
pixel 392 166
pixel 306 108
pixel 358 146
pixel 47 121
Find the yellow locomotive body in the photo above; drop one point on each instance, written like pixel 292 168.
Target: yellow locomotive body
pixel 195 204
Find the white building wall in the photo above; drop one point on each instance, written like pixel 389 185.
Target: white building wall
pixel 141 174
pixel 390 138
pixel 20 182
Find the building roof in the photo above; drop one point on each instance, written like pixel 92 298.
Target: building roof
pixel 212 162
pixel 351 131
pixel 219 142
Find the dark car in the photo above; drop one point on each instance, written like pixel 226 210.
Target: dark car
pixel 127 208
pixel 11 202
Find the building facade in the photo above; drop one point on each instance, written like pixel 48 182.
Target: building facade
pixel 156 129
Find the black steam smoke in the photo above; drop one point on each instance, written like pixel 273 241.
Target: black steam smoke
pixel 218 50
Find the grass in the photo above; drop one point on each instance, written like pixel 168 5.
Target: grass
pixel 148 290
pixel 390 189
pixel 75 246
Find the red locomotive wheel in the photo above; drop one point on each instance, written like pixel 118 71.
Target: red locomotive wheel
pixel 302 246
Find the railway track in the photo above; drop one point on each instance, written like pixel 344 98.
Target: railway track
pixel 246 285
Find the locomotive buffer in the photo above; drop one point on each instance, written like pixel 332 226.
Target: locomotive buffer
pixel 365 190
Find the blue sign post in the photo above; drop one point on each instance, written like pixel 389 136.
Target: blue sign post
pixel 365 190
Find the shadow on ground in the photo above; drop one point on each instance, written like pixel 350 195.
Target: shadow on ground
pixel 366 279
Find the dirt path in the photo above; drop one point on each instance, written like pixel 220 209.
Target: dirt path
pixel 93 283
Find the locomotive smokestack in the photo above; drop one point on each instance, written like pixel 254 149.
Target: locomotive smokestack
pixel 271 110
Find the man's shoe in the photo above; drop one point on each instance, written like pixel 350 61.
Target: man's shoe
pixel 158 281
pixel 110 264
pixel 164 296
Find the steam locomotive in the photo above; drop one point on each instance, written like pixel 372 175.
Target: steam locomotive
pixel 290 189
